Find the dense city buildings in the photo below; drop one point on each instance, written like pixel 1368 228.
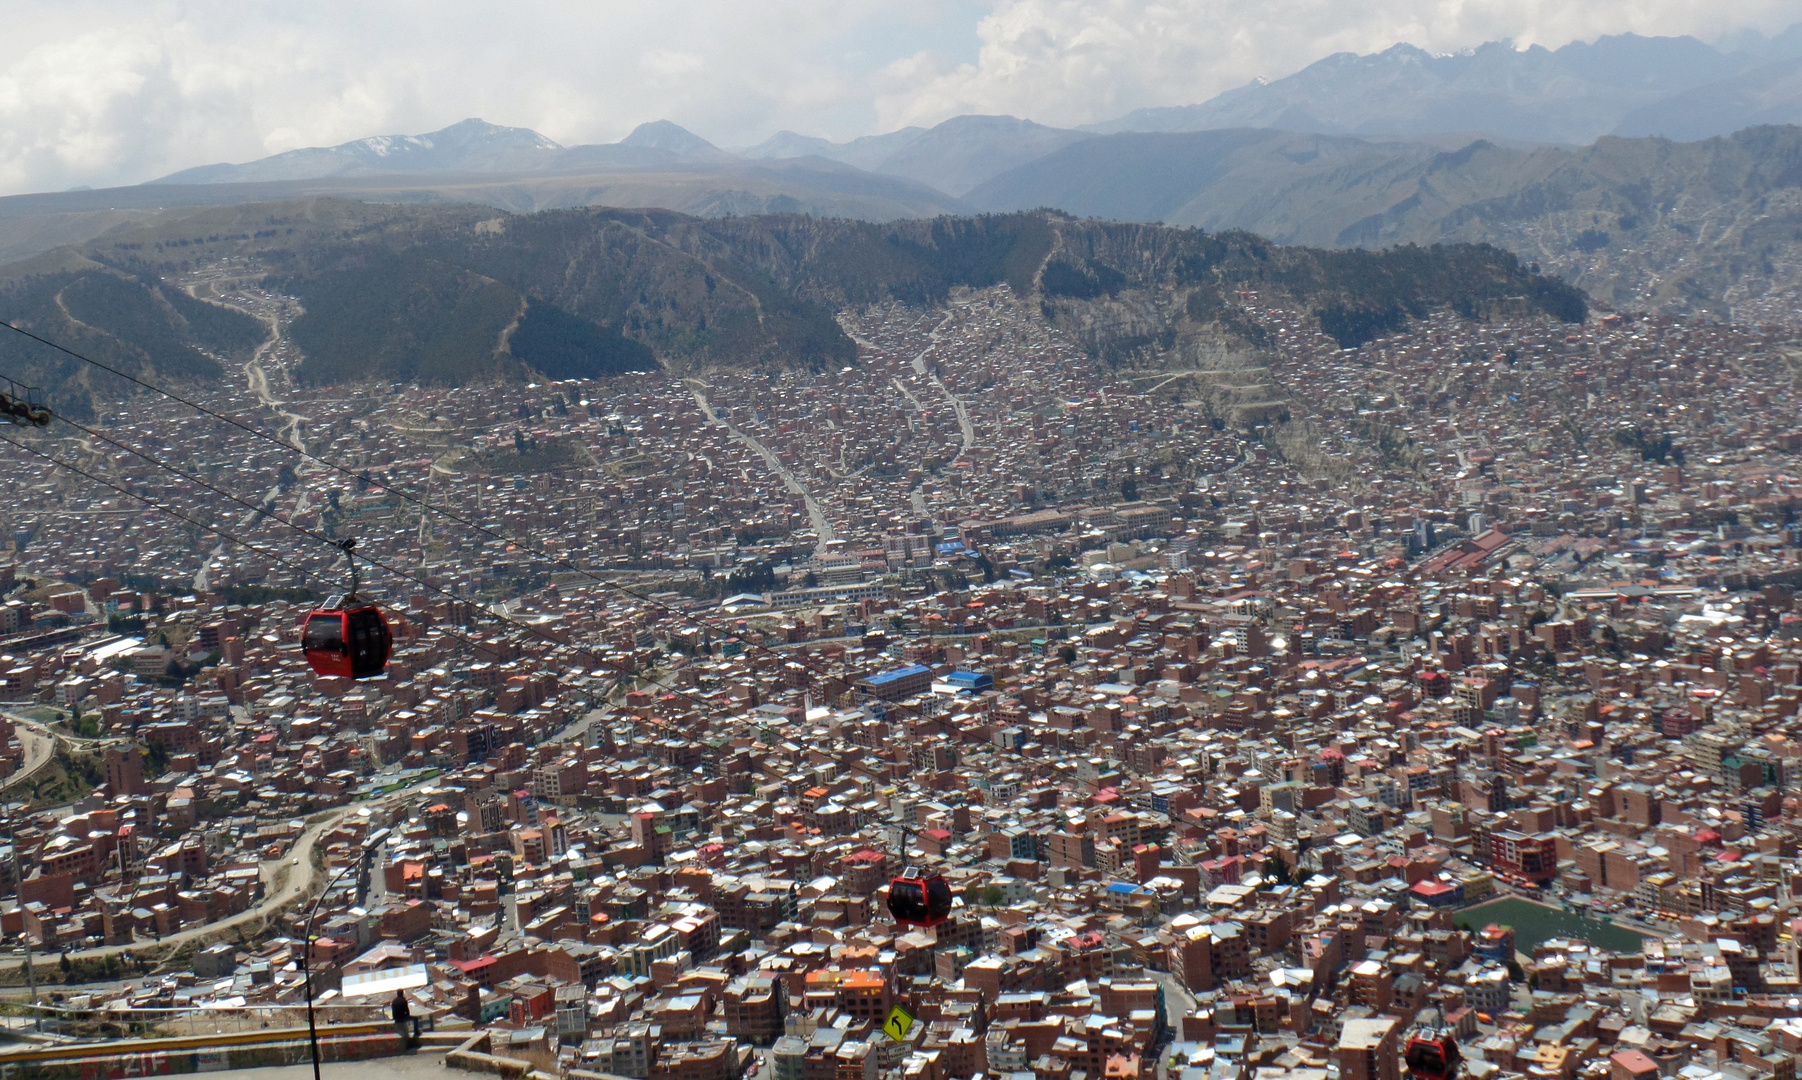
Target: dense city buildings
pixel 1263 719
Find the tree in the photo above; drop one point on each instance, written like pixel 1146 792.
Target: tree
pixel 1277 871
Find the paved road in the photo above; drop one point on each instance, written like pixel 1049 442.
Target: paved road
pixel 822 527
pixel 39 745
pixel 294 870
pixel 1178 1002
pixel 965 428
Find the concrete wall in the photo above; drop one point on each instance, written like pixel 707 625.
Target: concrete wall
pixel 165 1057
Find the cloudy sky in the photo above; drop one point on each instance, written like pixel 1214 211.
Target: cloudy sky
pixel 102 92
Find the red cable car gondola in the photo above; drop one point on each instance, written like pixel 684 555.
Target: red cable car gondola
pixel 349 638
pixel 1432 1055
pixel 919 901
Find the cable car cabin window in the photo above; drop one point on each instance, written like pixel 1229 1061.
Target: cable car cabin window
pixel 352 644
pixel 369 641
pixel 938 899
pixel 907 901
pixel 324 633
pixel 1432 1057
pixel 1425 1057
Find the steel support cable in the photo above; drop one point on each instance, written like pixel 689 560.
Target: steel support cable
pixel 426 506
pixel 311 534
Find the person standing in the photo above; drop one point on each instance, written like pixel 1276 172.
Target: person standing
pixel 402 1014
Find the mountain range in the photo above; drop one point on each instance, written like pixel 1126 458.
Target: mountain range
pixel 457 295
pixel 1500 145
pixel 1624 85
pixel 1675 87
pixel 1642 224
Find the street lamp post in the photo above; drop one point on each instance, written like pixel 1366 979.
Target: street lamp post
pixel 370 846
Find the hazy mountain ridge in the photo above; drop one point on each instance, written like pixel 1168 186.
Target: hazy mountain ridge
pixel 424 293
pixel 134 324
pixel 1622 84
pixel 1768 94
pixel 1640 223
pixel 953 157
pixel 471 146
pixel 866 152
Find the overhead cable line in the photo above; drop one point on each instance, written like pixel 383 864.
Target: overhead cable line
pixel 803 660
pixel 311 534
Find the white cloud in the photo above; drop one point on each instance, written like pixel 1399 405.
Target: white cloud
pixel 106 91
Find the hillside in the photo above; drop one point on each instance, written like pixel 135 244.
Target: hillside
pixel 132 323
pixel 1769 94
pixel 714 185
pixel 1622 84
pixel 1645 223
pixel 1639 223
pixel 457 295
pixel 964 151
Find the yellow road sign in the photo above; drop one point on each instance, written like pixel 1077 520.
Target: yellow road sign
pixel 898 1024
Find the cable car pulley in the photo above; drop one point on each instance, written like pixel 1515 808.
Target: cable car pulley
pixel 20 405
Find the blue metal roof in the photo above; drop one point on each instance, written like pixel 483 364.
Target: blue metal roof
pixel 898 673
pixel 970 678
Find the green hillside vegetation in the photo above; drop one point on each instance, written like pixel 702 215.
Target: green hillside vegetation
pixel 1356 294
pixel 223 329
pixel 130 312
pixel 1643 224
pixel 559 345
pixel 528 460
pixel 442 295
pixel 131 323
pixel 403 317
pixel 1084 282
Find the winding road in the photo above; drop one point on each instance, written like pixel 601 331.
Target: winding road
pixel 39 746
pixel 285 880
pixel 257 378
